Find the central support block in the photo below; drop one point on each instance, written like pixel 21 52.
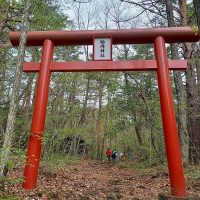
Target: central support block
pixel 170 197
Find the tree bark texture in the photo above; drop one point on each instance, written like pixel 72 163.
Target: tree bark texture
pixel 192 96
pixel 137 124
pixel 72 98
pixel 138 131
pixel 99 137
pixel 3 16
pixel 180 91
pixel 9 133
pixel 4 10
pixel 3 69
pixel 197 10
pixel 84 110
pixel 28 92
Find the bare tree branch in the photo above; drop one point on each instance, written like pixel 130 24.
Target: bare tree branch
pixel 144 5
pixel 83 1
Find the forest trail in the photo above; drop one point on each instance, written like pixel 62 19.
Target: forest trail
pixel 91 180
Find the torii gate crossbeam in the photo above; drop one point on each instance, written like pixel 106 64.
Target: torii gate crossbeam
pixel 157 36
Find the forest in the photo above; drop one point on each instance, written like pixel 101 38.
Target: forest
pixel 92 111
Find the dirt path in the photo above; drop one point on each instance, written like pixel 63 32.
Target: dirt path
pixel 91 180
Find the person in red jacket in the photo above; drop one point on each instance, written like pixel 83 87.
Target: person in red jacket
pixel 108 153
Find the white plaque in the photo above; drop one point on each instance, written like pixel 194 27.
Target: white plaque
pixel 102 49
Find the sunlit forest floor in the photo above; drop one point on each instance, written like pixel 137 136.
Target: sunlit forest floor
pixel 88 179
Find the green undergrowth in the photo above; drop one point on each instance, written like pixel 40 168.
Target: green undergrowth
pixel 16 159
pixel 15 162
pixel 147 168
pixel 142 167
pixel 56 162
pixel 123 165
pixel 193 172
pixel 7 196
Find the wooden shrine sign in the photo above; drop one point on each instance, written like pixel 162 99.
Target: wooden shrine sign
pixel 102 48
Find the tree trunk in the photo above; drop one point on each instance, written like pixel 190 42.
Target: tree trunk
pixel 27 94
pixel 181 98
pixel 197 64
pixel 83 113
pixel 9 133
pixel 4 15
pixel 197 9
pixel 192 97
pixel 137 124
pixel 72 98
pixel 3 55
pixel 99 120
pixel 138 130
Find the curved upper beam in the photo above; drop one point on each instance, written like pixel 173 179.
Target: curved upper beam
pixel 123 36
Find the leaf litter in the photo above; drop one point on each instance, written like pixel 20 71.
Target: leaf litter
pixel 91 180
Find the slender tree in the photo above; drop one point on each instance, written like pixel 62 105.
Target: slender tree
pixel 4 14
pixel 9 133
pixel 180 90
pixel 197 9
pixel 192 96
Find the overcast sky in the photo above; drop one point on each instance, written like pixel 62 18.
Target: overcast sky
pixel 103 14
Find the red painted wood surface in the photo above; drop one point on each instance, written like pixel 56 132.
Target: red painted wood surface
pixel 176 174
pixel 133 65
pixel 38 120
pixel 122 36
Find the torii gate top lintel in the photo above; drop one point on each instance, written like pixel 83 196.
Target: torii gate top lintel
pixel 122 36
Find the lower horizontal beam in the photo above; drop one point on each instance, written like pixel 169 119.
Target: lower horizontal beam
pixel 87 66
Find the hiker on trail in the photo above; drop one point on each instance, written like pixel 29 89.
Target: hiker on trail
pixel 114 155
pixel 121 156
pixel 108 153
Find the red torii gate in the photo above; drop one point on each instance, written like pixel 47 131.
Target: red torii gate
pixel 157 36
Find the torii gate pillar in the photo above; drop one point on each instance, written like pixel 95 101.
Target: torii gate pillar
pixel 38 119
pixel 176 174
